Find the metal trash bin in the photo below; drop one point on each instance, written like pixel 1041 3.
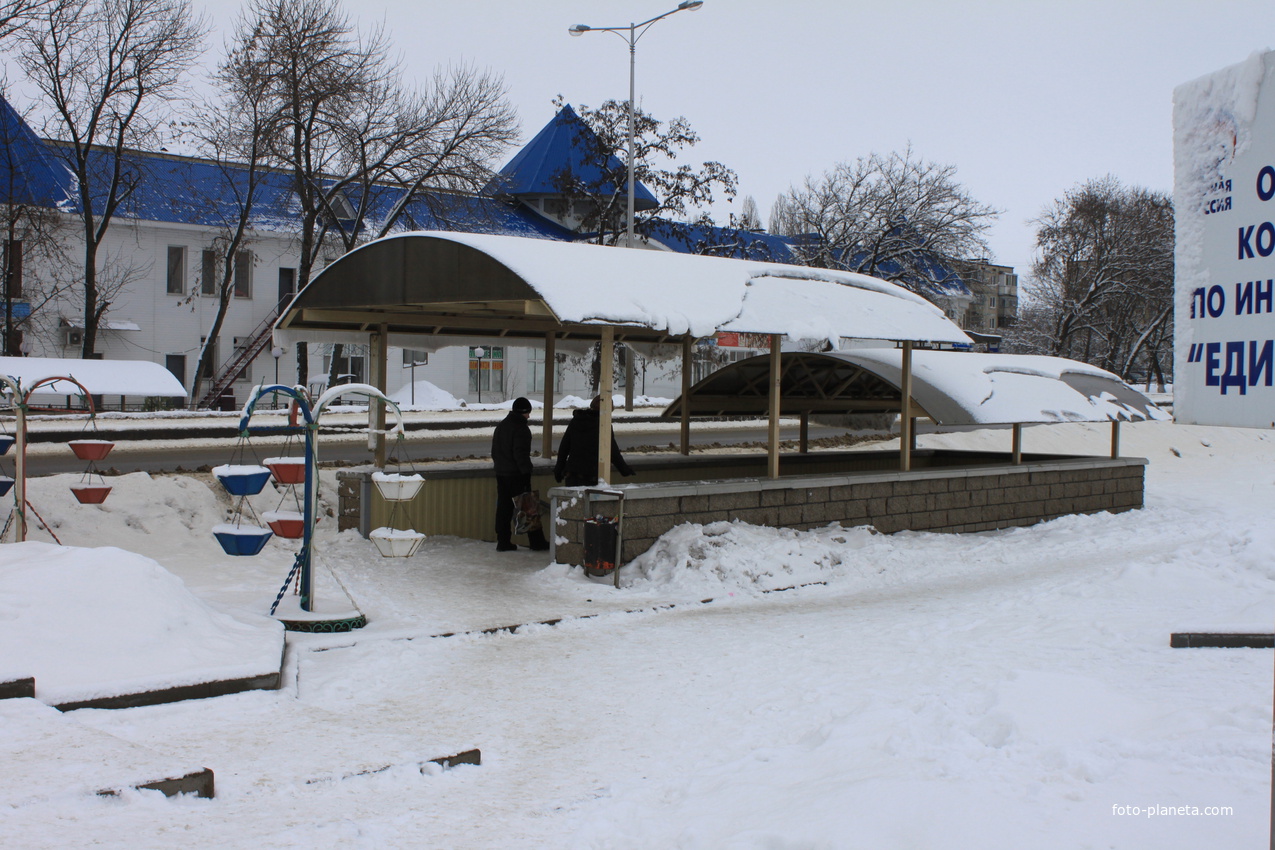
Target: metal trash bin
pixel 603 536
pixel 601 540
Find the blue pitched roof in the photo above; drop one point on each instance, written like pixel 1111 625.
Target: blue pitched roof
pixel 558 153
pixel 29 173
pixel 929 275
pixel 723 242
pixel 202 192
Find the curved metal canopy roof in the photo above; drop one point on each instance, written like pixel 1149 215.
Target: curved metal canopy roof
pixel 435 288
pixel 949 387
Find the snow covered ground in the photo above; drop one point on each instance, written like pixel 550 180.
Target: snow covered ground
pixel 1001 690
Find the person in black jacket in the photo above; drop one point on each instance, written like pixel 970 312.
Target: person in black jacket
pixel 578 451
pixel 511 455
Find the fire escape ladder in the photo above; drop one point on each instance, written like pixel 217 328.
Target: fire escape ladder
pixel 239 360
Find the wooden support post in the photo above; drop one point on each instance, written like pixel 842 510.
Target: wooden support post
pixel 551 346
pixel 1016 446
pixel 912 436
pixel 606 388
pixel 1115 438
pixel 20 465
pixel 905 416
pixel 628 377
pixel 380 363
pixel 686 394
pixel 804 440
pixel 772 434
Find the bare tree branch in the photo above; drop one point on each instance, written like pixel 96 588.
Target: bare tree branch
pixel 1102 283
pixel 891 216
pixel 105 67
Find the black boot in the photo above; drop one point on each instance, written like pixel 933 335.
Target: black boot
pixel 506 546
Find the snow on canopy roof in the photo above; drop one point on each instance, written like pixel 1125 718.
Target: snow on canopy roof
pixel 99 377
pixel 950 387
pixel 963 388
pixel 591 285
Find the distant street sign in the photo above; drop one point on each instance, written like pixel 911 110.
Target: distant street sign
pixel 1224 194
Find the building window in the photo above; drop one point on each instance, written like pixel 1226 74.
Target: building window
pixel 243 274
pixel 486 373
pixel 287 287
pixel 341 207
pixel 210 365
pixel 707 359
pixel 241 346
pixel 536 370
pixel 176 363
pixel 349 369
pixel 176 269
pixel 208 273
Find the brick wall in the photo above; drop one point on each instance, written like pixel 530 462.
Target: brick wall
pixel 965 499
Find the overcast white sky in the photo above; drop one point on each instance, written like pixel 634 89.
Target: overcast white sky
pixel 1025 98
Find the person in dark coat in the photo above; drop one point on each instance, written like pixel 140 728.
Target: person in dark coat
pixel 578 451
pixel 511 455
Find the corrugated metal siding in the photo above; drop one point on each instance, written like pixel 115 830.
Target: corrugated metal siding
pixel 459 507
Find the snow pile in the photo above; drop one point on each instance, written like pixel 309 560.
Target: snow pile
pixel 424 396
pixel 88 623
pixel 617 401
pixel 729 557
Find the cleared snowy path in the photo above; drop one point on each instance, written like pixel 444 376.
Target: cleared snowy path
pixel 1002 690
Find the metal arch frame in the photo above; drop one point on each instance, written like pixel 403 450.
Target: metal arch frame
pixel 807 388
pixel 22 406
pixel 312 415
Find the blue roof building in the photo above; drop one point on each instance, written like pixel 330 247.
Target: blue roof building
pixel 179 206
pixel 29 174
pixel 566 153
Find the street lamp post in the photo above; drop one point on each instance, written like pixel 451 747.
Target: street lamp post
pixel 634 32
pixel 631 34
pixel 276 352
pixel 478 353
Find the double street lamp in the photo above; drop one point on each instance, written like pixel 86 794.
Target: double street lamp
pixel 631 34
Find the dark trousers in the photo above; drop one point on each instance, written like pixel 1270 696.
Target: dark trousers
pixel 508 488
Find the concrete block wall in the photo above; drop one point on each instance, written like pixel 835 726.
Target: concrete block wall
pixel 952 500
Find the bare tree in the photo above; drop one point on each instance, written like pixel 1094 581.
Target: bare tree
pixel 896 217
pixel 15 14
pixel 359 147
pixel 449 135
pixel 682 193
pixel 749 216
pixel 1102 282
pixel 32 252
pixel 32 267
pixel 234 132
pixel 104 67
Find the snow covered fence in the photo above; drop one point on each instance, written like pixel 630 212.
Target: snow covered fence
pixel 938 498
pixel 955 491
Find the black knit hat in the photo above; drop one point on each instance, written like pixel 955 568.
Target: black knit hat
pixel 521 405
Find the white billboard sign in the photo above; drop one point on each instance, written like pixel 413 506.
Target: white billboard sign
pixel 1224 196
